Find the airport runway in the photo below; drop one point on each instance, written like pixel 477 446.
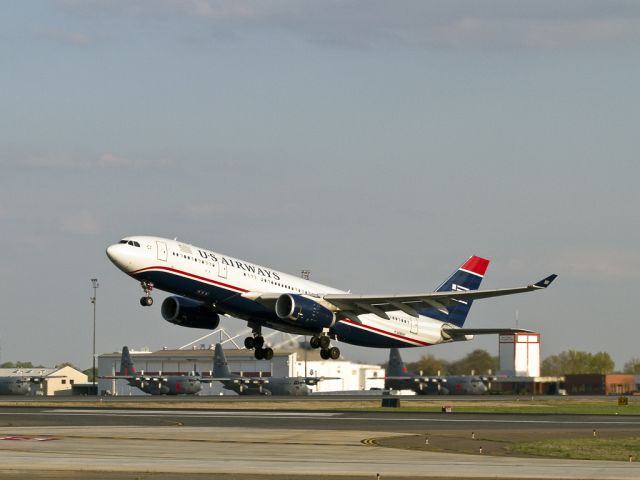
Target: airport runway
pixel 286 444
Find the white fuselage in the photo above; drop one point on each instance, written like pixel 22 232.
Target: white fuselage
pixel 232 286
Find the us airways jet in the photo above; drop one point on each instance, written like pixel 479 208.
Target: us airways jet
pixel 208 284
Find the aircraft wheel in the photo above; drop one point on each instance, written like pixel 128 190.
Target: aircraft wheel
pixel 325 341
pixel 146 301
pixel 259 354
pixel 314 342
pixel 325 354
pixel 334 353
pixel 249 343
pixel 267 353
pixel 258 341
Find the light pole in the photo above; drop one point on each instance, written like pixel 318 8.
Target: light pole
pixel 94 282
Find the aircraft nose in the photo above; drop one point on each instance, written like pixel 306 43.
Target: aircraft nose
pixel 113 252
pixel 118 255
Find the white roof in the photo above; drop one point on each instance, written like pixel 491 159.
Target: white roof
pixel 31 372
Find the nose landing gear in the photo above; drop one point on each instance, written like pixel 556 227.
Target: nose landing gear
pixel 323 342
pixel 147 300
pixel 257 342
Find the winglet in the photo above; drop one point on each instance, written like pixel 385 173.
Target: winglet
pixel 545 282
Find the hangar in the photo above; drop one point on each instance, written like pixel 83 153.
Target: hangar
pixel 291 362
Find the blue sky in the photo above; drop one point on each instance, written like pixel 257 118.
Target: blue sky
pixel 377 143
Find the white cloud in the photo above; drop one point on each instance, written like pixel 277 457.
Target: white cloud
pixel 597 264
pixel 374 23
pixel 81 222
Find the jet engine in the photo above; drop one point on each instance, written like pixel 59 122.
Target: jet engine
pixel 189 313
pixel 304 312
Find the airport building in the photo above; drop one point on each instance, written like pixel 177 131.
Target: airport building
pixel 519 355
pixel 49 381
pixel 285 363
pixel 600 384
pixel 519 370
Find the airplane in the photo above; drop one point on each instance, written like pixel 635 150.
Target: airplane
pixel 296 386
pixel 399 378
pixel 19 385
pixel 155 384
pixel 207 284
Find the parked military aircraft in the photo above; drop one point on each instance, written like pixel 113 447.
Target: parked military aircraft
pixel 19 385
pixel 208 284
pixel 156 384
pixel 259 385
pixel 399 378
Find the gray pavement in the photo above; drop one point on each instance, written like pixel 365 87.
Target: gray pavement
pixel 276 443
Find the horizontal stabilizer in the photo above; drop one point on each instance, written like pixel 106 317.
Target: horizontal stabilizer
pixel 459 332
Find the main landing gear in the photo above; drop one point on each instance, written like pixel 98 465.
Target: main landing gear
pixel 323 342
pixel 257 342
pixel 146 301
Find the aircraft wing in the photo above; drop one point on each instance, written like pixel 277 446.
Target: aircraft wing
pixel 143 378
pixel 415 378
pixel 314 380
pixel 352 305
pixel 238 380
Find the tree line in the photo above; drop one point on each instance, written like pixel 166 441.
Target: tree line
pixel 482 362
pixel 479 361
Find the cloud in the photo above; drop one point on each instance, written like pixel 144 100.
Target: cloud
pixel 81 222
pixel 545 24
pixel 204 211
pixel 104 161
pixel 597 264
pixel 74 39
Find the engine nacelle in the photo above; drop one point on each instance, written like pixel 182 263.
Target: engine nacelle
pixel 303 312
pixel 189 313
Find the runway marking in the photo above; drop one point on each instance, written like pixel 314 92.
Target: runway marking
pixel 28 437
pixel 627 421
pixel 370 442
pixel 62 411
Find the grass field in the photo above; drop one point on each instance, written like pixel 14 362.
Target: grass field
pixel 489 404
pixel 607 406
pixel 584 448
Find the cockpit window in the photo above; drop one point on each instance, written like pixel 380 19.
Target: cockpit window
pixel 130 242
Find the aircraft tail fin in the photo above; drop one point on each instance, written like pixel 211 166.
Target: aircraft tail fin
pixel 220 366
pixel 126 364
pixel 396 366
pixel 467 277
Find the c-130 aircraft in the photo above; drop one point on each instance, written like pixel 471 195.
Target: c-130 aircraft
pixel 208 284
pixel 296 386
pixel 156 384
